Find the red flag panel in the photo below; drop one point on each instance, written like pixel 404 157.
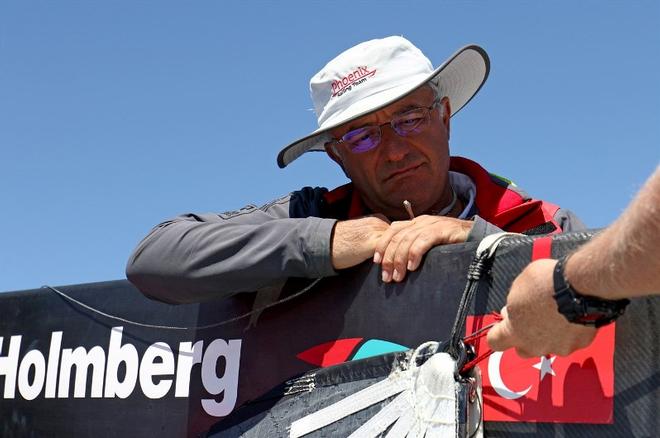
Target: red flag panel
pixel 578 388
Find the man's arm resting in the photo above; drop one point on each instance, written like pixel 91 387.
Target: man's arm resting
pixel 402 247
pixel 201 257
pixel 354 241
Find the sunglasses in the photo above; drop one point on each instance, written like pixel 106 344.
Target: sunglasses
pixel 406 124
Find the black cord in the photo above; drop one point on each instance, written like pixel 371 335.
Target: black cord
pixel 475 271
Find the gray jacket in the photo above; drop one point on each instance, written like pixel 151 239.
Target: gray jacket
pixel 200 257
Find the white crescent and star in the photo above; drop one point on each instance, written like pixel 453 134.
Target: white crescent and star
pixel 496 379
pixel 544 366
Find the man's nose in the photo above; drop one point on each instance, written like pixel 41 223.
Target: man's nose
pixel 393 145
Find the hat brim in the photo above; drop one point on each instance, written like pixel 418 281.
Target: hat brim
pixel 459 78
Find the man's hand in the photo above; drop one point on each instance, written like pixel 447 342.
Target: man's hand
pixel 532 323
pixel 402 246
pixel 354 240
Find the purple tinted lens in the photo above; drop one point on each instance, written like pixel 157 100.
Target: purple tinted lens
pixel 362 139
pixel 412 122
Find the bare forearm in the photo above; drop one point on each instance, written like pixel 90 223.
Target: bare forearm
pixel 623 260
pixel 353 241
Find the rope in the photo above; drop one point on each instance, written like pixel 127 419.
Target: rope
pixel 168 327
pixel 482 260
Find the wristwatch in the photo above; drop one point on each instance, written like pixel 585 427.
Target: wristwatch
pixel 583 309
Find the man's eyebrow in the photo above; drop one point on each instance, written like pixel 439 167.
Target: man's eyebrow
pixel 353 126
pixel 416 102
pixel 414 105
pixel 410 107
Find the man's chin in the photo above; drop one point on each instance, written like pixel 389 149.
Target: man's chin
pixel 412 189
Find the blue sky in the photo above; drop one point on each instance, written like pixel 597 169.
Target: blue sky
pixel 117 115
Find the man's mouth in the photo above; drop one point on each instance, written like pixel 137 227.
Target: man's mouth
pixel 401 172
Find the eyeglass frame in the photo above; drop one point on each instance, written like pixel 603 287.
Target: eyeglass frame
pixel 428 109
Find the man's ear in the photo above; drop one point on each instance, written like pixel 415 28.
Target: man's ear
pixel 331 150
pixel 333 153
pixel 445 113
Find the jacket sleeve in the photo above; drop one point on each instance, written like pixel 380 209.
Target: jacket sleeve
pixel 198 257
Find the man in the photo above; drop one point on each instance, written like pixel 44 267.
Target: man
pixel 621 262
pixel 384 117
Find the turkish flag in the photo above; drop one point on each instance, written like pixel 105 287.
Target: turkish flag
pixel 578 388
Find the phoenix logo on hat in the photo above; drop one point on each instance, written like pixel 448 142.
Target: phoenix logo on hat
pixel 346 83
pixel 401 69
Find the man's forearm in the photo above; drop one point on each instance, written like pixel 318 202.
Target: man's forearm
pixel 353 241
pixel 624 260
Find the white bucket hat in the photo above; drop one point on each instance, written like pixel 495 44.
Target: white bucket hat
pixel 373 74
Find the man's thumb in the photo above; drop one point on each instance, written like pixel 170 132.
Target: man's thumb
pixel 499 336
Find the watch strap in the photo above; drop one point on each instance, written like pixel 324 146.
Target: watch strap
pixel 583 309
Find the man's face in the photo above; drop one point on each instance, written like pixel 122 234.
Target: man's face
pixel 413 167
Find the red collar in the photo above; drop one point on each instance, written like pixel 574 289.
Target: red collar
pixel 493 199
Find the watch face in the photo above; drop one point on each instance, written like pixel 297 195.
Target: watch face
pixel 591 318
pixel 597 312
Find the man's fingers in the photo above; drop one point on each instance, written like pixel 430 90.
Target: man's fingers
pixel 498 338
pixel 395 257
pixel 406 249
pixel 403 245
pixel 393 265
pixel 417 250
pixel 386 237
pixel 525 354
